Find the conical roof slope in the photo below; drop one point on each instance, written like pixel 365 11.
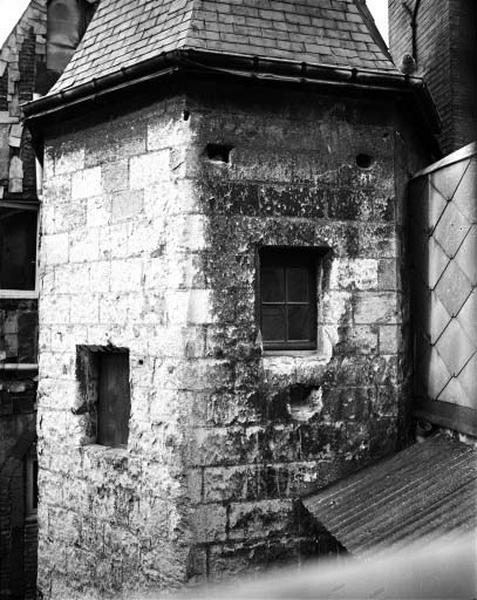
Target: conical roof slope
pixel 124 33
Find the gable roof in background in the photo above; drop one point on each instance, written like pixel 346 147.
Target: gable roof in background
pixel 124 33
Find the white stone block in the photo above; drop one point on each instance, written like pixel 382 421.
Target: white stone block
pixel 147 169
pixel 86 183
pixel 84 309
pixel 84 245
pixel 187 232
pixel 113 310
pixel 190 306
pixel 54 249
pixel 162 134
pixel 160 200
pixel 126 205
pixel 373 308
pixel 114 241
pixel 99 277
pixel 98 211
pixel 360 274
pixel 70 279
pixel 126 275
pixel 143 238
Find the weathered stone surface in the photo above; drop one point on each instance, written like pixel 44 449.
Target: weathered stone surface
pixel 162 260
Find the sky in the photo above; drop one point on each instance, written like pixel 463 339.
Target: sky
pixel 11 10
pixel 379 8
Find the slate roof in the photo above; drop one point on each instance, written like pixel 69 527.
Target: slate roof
pixel 124 33
pixel 420 494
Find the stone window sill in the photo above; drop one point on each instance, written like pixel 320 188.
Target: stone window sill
pixel 106 453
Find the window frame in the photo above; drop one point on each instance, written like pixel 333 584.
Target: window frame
pixel 289 257
pixel 16 294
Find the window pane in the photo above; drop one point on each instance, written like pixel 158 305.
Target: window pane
pixel 273 284
pixel 17 249
pixel 273 323
pixel 297 284
pixel 300 323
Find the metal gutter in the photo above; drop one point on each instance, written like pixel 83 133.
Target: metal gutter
pixel 216 63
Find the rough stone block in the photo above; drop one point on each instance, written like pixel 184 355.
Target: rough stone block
pixel 115 176
pixel 225 484
pixel 248 520
pixel 390 339
pixel 210 522
pixel 387 275
pixel 69 160
pixel 376 308
pixel 359 274
pixel 224 446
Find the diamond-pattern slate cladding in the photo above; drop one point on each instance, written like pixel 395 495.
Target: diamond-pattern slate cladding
pixel 443 240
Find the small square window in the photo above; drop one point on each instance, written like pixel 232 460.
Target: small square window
pixel 288 298
pixel 103 374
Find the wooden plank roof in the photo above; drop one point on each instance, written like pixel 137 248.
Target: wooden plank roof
pixel 124 33
pixel 422 493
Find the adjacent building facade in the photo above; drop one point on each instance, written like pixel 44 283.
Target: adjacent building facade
pixel 31 59
pixel 442 39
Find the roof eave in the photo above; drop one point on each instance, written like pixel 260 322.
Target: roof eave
pixel 251 67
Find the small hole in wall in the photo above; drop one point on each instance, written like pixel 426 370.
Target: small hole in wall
pixel 186 115
pixel 364 161
pixel 218 152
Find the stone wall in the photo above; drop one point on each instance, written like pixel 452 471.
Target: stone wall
pixel 150 245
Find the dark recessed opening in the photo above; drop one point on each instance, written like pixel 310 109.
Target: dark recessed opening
pixel 186 115
pixel 103 376
pixel 218 152
pixel 364 161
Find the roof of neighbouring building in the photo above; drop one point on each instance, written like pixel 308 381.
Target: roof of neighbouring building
pixel 124 33
pixel 422 493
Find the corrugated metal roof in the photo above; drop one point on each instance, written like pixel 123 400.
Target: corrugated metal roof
pixel 124 33
pixel 424 492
